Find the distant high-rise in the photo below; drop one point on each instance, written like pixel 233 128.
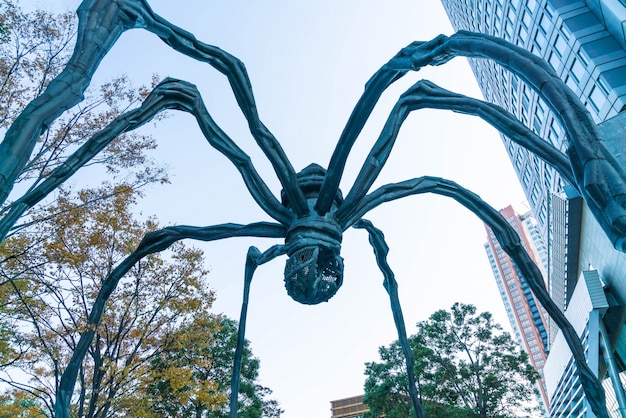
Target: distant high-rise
pixel 528 318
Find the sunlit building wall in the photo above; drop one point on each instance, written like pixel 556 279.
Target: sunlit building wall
pixel 352 407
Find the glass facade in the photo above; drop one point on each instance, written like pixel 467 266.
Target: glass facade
pixel 584 42
pixel 577 40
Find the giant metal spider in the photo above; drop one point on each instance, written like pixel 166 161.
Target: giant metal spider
pixel 312 214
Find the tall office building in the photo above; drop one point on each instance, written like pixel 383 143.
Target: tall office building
pixel 584 41
pixel 527 317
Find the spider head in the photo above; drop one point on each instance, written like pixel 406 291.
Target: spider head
pixel 314 270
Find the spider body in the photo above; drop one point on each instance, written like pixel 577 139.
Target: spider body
pixel 314 270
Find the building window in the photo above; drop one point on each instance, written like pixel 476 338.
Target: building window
pixel 526 20
pixel 534 195
pixel 577 70
pixel 597 98
pixel 571 82
pixel 526 178
pixel 538 119
pixel 545 24
pixel 554 60
pixel 555 133
pixel 519 160
pixel 542 213
pixel 540 40
pixel 508 30
pixel 525 98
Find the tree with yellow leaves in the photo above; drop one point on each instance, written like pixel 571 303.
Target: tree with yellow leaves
pixel 158 350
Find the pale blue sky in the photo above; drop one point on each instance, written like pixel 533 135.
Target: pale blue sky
pixel 308 62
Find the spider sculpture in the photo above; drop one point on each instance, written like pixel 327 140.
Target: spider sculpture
pixel 312 214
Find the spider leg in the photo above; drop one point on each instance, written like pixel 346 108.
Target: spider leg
pixel 152 242
pixel 381 249
pixel 601 179
pixel 169 94
pixel 101 23
pixel 185 43
pixel 254 259
pixel 374 88
pixel 511 244
pixel 425 94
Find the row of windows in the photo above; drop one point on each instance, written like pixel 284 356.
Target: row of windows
pixel 597 96
pixel 557 52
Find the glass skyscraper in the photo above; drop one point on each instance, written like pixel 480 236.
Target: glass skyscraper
pixel 585 43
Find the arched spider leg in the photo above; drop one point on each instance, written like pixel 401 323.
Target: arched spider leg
pixel 169 94
pixel 101 23
pixel 511 244
pixel 381 249
pixel 601 179
pixel 425 94
pixel 374 88
pixel 254 259
pixel 153 242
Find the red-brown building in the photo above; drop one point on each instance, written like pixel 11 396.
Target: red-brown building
pixel 528 318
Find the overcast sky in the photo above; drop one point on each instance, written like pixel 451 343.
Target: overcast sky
pixel 308 62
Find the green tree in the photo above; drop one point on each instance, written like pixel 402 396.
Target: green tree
pixel 466 366
pixel 192 378
pixel 55 277
pixel 34 48
pixel 20 405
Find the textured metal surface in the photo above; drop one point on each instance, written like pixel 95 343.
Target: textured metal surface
pixel 311 214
